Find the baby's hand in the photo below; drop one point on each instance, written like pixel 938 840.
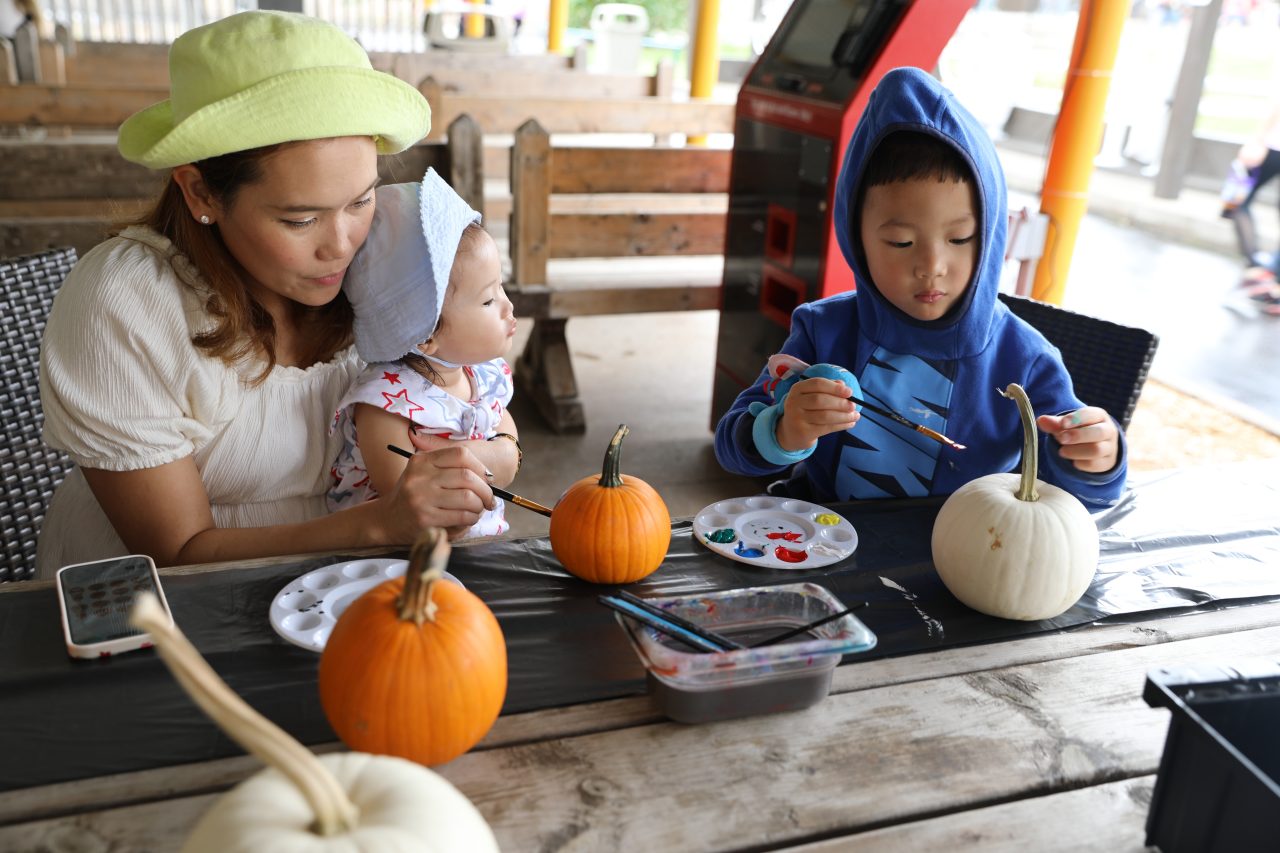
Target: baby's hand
pixel 1088 436
pixel 813 408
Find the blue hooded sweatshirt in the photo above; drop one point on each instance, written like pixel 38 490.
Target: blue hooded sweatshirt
pixel 942 373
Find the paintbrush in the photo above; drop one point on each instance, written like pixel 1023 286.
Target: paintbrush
pixel 897 418
pixel 502 493
pixel 662 624
pixel 804 629
pixel 692 627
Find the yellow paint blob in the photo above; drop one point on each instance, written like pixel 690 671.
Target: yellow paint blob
pixel 828 518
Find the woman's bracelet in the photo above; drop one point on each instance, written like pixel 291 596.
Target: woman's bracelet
pixel 513 440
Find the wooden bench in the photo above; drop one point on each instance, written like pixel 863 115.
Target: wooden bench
pixel 129 65
pixel 569 113
pixel 578 202
pixel 413 67
pixel 71 192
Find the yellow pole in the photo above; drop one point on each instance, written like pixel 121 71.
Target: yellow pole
pixel 704 62
pixel 474 26
pixel 1076 139
pixel 558 23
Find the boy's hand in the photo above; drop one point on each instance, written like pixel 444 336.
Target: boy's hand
pixel 1088 436
pixel 813 408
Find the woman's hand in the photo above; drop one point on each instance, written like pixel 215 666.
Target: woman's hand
pixel 1088 438
pixel 813 408
pixel 439 488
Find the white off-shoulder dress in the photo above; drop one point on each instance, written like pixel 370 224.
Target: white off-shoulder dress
pixel 123 388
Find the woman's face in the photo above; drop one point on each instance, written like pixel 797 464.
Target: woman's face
pixel 296 229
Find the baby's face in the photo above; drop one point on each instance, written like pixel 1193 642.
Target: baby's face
pixel 479 321
pixel 921 243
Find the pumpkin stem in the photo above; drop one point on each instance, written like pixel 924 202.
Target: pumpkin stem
pixel 427 560
pixel 611 471
pixel 1030 452
pixel 335 813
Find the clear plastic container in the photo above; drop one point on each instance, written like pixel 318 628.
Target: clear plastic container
pixel 698 687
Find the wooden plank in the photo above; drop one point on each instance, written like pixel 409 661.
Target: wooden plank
pixel 466 162
pixel 640 170
pixel 1109 817
pixel 25 236
pixel 124 65
pixel 640 234
pixel 537 83
pixel 8 64
pixel 69 169
pixel 530 197
pixel 498 114
pixel 53 64
pixel 77 106
pixel 73 169
pixel 67 208
pixel 858 761
pixel 651 298
pixel 415 67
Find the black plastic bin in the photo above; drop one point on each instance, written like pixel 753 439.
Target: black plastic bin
pixel 1216 789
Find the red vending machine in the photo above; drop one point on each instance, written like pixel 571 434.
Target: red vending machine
pixel 795 114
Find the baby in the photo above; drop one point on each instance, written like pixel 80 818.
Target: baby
pixel 433 322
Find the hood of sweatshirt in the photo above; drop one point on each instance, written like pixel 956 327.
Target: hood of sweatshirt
pixel 910 99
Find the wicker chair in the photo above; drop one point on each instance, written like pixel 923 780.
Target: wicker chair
pixel 31 470
pixel 1108 362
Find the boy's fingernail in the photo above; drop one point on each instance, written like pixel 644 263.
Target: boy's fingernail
pixel 488 473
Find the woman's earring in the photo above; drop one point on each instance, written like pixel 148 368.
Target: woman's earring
pixel 204 220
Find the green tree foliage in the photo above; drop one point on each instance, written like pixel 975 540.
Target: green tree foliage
pixel 664 15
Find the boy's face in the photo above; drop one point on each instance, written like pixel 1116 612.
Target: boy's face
pixel 921 243
pixel 479 319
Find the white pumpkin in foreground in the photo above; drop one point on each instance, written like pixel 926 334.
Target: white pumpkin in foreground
pixel 1008 546
pixel 351 802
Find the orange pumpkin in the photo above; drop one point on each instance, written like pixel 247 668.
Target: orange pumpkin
pixel 416 667
pixel 613 528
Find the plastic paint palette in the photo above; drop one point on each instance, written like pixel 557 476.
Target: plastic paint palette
pixel 696 687
pixel 779 533
pixel 305 611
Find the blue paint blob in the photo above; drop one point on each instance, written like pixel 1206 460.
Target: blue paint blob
pixel 743 551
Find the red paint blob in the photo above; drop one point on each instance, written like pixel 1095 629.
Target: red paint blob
pixel 787 555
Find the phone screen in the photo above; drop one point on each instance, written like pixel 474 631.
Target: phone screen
pixel 99 596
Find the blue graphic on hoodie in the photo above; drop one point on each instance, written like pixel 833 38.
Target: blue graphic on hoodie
pixel 942 373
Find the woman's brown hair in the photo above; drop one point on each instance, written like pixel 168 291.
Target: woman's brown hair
pixel 242 327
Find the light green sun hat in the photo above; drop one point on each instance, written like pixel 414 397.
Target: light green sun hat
pixel 264 77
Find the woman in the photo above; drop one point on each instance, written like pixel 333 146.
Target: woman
pixel 191 361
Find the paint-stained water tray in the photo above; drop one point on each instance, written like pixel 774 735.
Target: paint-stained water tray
pixel 696 687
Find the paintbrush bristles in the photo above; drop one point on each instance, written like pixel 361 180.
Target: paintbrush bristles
pixel 909 424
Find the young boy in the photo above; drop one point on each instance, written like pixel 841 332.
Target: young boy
pixel 921 216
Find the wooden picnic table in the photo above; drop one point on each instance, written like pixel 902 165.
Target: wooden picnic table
pixel 1037 742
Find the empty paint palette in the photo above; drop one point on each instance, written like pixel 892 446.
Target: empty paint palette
pixel 308 607
pixel 698 687
pixel 778 533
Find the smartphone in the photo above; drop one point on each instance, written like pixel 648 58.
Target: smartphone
pixel 95 599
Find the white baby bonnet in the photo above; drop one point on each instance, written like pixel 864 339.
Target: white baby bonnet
pixel 397 281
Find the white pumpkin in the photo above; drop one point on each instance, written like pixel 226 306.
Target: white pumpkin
pixel 351 802
pixel 1008 546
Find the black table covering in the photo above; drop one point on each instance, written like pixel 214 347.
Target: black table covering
pixel 1193 538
